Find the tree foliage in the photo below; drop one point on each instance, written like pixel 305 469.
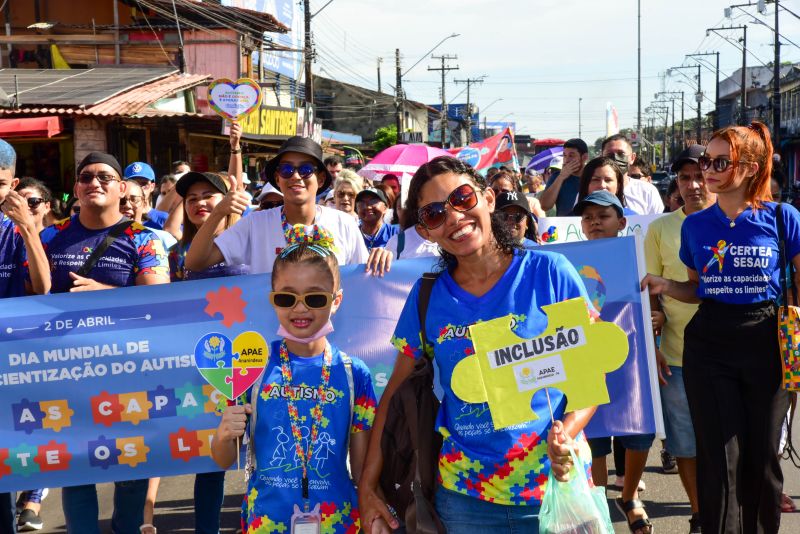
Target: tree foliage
pixel 385 137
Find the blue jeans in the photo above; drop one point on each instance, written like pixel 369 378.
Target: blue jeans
pixel 8 512
pixel 81 511
pixel 677 418
pixel 209 490
pixel 462 514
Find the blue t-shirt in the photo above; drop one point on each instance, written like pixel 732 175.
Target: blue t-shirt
pixel 380 239
pixel 156 219
pixel 276 485
pixel 12 260
pixel 508 466
pixel 178 271
pixel 69 244
pixel 567 195
pixel 529 243
pixel 738 263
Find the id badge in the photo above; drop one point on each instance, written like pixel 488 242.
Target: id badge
pixel 306 522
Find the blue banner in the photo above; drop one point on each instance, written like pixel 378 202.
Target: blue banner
pixel 101 386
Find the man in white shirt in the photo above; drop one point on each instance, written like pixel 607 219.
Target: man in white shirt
pixel 299 173
pixel 642 197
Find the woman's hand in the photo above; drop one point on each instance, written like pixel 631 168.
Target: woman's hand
pixel 656 284
pixel 375 515
pixel 559 445
pixel 234 422
pixel 379 261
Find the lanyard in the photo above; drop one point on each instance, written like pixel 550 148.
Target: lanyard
pixel 299 232
pixel 316 412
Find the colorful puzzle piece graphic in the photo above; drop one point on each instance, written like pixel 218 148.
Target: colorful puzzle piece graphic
pixel 58 414
pixel 134 451
pixel 231 366
pixel 135 407
pixel 571 355
pixel 228 303
pixel 53 457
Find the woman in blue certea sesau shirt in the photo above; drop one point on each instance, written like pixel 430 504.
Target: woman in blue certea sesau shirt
pixel 492 480
pixel 732 370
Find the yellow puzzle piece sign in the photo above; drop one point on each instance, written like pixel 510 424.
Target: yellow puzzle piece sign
pixel 571 355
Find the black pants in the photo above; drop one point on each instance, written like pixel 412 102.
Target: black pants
pixel 731 370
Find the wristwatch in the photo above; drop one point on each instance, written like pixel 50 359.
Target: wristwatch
pixel 236 150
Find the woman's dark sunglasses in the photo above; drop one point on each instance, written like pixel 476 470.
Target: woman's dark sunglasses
pixel 33 202
pixel 305 170
pixel 719 163
pixel 512 217
pixel 462 198
pixel 312 301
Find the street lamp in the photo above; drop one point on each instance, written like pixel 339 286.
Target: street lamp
pixel 698 97
pixel 495 101
pixel 398 92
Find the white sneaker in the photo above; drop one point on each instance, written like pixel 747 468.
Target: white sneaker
pixel 619 482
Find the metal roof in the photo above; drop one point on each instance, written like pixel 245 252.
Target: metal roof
pixel 76 87
pixel 133 99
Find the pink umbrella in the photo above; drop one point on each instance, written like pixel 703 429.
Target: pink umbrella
pixel 400 160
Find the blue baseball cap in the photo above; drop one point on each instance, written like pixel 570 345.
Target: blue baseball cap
pixel 8 156
pixel 599 198
pixel 139 169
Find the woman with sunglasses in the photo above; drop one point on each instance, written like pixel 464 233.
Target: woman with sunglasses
pixel 312 406
pixel 491 480
pixel 731 365
pixel 38 197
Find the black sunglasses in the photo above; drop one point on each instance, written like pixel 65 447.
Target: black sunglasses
pixel 312 301
pixel 512 217
pixel 304 170
pixel 33 202
pixel 87 178
pixel 462 198
pixel 719 163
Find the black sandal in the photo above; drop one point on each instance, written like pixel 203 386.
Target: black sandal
pixel 639 524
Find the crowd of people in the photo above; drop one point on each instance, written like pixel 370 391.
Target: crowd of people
pixel 317 459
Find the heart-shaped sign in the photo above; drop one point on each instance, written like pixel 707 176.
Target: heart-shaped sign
pixel 231 366
pixel 234 100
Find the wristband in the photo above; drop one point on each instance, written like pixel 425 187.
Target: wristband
pixel 236 150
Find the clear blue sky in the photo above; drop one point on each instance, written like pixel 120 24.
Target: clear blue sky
pixel 540 56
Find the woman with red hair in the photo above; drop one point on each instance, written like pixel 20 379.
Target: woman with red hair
pixel 732 371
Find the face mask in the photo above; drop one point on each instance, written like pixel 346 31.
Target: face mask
pixel 622 163
pixel 326 329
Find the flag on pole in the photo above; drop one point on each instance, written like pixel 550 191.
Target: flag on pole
pixel 612 120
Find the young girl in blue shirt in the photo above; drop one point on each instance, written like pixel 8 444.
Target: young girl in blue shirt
pixel 731 366
pixel 311 402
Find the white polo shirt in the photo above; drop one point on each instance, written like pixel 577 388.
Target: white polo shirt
pixel 643 197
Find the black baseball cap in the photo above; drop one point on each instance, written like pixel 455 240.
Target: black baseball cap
pixel 374 192
pixel 301 145
pixel 690 154
pixel 190 178
pixel 514 198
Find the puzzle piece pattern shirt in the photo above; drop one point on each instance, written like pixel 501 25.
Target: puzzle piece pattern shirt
pixel 508 466
pixel 737 261
pixel 275 486
pixel 68 244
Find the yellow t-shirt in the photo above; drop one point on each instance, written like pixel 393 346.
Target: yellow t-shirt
pixel 661 248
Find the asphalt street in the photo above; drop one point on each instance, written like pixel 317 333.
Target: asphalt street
pixel 664 497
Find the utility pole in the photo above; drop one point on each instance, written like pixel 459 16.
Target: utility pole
pixel 639 67
pixel 380 60
pixel 776 88
pixel 444 68
pixel 469 82
pixel 716 91
pixel 398 94
pixel 309 54
pixel 580 99
pixel 699 99
pixel 743 117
